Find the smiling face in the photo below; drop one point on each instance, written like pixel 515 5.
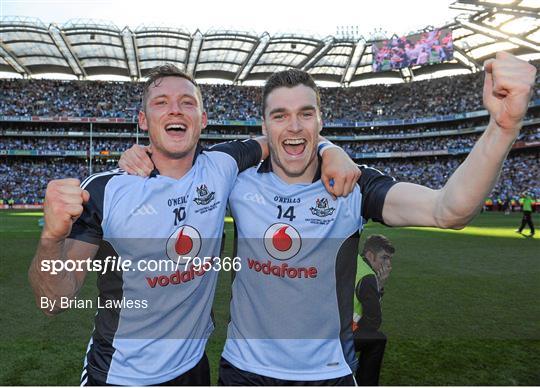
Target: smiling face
pixel 173 116
pixel 292 122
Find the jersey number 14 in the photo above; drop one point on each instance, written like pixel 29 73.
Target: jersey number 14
pixel 289 213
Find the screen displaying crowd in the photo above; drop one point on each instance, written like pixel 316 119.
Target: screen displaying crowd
pixel 430 47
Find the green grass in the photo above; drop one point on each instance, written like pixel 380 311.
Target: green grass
pixel 460 308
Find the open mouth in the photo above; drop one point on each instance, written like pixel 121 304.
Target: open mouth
pixel 175 128
pixel 294 147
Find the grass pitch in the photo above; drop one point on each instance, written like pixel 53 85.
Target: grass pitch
pixel 460 308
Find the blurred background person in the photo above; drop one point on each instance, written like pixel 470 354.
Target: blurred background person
pixel 373 268
pixel 526 202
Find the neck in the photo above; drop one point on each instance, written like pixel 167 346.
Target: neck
pixel 173 167
pixel 306 177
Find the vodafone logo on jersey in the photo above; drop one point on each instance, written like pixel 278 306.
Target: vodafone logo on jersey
pixel 282 241
pixel 184 243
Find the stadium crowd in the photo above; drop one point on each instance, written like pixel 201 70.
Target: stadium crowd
pixel 457 94
pixel 12 129
pixel 427 144
pixel 411 145
pixel 25 180
pixel 56 144
pixel 77 144
pixel 520 173
pixel 531 133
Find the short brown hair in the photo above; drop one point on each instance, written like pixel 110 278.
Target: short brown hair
pixel 376 243
pixel 289 79
pixel 167 70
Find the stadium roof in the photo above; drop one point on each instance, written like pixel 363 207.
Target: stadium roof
pixel 84 48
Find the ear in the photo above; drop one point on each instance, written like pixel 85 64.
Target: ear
pixel 265 133
pixel 143 124
pixel 370 256
pixel 204 120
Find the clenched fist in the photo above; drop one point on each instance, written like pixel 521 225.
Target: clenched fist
pixel 508 87
pixel 64 201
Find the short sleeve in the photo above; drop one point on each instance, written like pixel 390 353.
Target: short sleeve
pixel 246 153
pixel 374 186
pixel 87 228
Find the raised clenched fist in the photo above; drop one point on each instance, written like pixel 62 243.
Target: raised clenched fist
pixel 508 88
pixel 64 201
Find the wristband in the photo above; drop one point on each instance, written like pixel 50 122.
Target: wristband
pixel 323 146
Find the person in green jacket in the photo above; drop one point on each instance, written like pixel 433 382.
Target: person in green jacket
pixel 373 267
pixel 527 208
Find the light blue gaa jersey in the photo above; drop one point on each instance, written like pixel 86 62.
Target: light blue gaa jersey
pixel 292 299
pixel 163 332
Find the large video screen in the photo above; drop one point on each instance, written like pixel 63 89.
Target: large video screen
pixel 414 50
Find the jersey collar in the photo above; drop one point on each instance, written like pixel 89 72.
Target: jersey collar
pixel 266 166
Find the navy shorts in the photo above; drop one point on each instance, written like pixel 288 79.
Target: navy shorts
pixel 199 375
pixel 229 375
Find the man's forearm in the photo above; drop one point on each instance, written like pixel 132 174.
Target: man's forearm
pixel 48 285
pixel 508 87
pixel 462 196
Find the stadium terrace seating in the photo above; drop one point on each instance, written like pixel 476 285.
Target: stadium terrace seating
pixel 24 178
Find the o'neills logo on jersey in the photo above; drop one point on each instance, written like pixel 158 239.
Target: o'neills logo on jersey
pixel 204 196
pixel 183 244
pixel 322 209
pixel 282 241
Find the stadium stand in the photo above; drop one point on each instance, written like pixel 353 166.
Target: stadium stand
pixel 61 149
pixel 47 147
pixel 438 97
pixel 417 130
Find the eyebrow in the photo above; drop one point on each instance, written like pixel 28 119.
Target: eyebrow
pixel 277 110
pixel 166 96
pixel 281 110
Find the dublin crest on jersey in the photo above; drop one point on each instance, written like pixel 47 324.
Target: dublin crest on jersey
pixel 321 208
pixel 204 196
